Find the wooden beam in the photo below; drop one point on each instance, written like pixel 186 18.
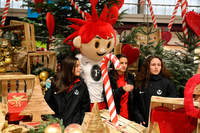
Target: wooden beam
pixel 15 12
pixel 147 18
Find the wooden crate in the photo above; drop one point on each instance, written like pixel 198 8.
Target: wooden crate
pixel 29 34
pixel 172 104
pixel 47 58
pixel 24 32
pixel 128 126
pixel 14 84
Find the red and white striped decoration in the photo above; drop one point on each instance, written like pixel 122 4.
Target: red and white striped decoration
pixel 83 14
pixel 5 13
pixel 106 82
pixel 184 5
pixel 173 15
pixel 152 14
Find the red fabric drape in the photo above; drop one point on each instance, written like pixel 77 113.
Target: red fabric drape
pixel 173 121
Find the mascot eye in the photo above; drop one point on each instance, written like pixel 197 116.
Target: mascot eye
pixel 108 45
pixel 96 44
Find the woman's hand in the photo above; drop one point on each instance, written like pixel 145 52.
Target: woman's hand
pixel 128 87
pixel 142 123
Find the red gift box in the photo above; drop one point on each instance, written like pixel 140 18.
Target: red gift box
pixel 16 103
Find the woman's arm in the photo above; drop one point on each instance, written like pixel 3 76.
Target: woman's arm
pixel 54 100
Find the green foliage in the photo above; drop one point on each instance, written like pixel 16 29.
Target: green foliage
pixel 51 120
pixel 38 68
pixel 182 63
pixel 191 42
pixel 40 44
pixel 130 37
pixel 182 67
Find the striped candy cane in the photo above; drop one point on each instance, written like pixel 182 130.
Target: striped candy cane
pixel 5 13
pixel 184 5
pixel 106 82
pixel 152 14
pixel 173 15
pixel 83 14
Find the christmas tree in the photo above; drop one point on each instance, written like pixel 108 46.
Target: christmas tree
pixel 181 63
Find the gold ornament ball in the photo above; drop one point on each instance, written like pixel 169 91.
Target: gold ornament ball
pixel 73 128
pixel 8 60
pixel 44 75
pixel 2 70
pixel 53 128
pixel 2 63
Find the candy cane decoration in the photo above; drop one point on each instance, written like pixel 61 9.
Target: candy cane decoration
pixel 184 5
pixel 83 14
pixel 106 82
pixel 152 14
pixel 5 13
pixel 173 15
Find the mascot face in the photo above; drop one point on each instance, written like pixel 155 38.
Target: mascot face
pixel 97 48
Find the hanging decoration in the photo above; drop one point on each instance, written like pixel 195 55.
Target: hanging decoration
pixel 38 2
pixel 184 6
pixel 171 21
pixel 5 13
pixel 152 14
pixel 166 35
pixel 50 24
pixel 83 14
pixel 193 21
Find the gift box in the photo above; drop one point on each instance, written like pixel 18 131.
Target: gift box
pixel 16 103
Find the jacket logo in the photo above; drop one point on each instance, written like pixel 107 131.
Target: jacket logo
pixel 159 92
pixel 141 92
pixel 76 92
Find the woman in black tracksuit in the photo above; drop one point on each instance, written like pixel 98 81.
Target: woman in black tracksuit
pixel 67 94
pixel 122 84
pixel 152 80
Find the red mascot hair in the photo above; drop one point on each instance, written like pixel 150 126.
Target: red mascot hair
pixel 93 25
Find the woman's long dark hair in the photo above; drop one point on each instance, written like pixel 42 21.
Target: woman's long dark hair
pixel 66 75
pixel 114 72
pixel 144 73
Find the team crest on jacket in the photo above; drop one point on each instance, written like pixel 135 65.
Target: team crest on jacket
pixel 159 92
pixel 76 92
pixel 96 72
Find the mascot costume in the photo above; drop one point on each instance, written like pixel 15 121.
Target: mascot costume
pixel 95 38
